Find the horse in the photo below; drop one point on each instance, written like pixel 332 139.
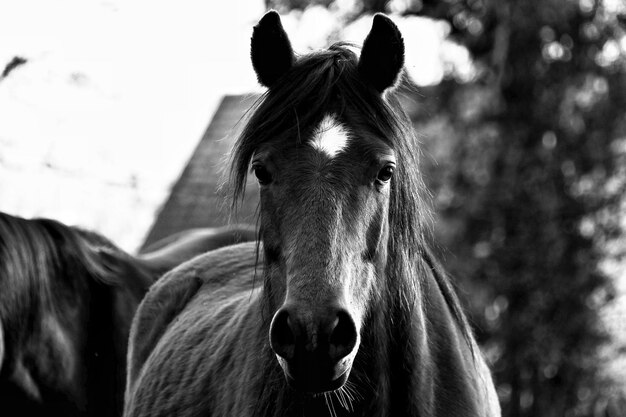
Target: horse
pixel 341 308
pixel 67 297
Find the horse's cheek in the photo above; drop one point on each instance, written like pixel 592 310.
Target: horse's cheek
pixel 361 286
pixel 278 276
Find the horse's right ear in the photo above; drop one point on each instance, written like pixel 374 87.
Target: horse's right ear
pixel 270 49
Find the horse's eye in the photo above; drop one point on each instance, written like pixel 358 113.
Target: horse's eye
pixel 385 174
pixel 262 174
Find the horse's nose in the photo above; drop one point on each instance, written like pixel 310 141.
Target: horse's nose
pixel 332 334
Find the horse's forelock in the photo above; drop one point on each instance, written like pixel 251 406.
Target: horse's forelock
pixel 296 103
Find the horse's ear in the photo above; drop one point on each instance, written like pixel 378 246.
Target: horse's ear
pixel 270 49
pixel 382 56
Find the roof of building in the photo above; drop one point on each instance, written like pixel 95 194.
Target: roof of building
pixel 196 199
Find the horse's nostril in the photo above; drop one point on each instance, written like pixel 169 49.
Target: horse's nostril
pixel 290 337
pixel 343 337
pixel 282 338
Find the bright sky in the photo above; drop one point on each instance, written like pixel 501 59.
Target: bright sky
pixel 116 94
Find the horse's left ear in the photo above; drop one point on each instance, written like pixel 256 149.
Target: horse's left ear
pixel 270 49
pixel 382 56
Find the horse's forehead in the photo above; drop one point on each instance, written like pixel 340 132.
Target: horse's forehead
pixel 330 137
pixel 335 141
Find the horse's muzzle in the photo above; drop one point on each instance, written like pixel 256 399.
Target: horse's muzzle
pixel 314 350
pixel 314 377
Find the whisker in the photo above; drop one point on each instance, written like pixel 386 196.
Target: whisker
pixel 352 388
pixel 329 404
pixel 366 384
pixel 348 394
pixel 337 394
pixel 332 405
pixel 347 399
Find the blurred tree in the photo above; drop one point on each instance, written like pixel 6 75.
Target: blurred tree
pixel 286 5
pixel 360 7
pixel 531 187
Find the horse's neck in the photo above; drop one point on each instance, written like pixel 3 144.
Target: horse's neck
pixel 411 362
pixel 419 360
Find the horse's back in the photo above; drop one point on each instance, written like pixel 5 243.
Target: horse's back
pixel 173 250
pixel 183 329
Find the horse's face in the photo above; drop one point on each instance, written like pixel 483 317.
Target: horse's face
pixel 324 224
pixel 324 221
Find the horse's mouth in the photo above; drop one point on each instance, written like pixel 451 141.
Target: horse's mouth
pixel 316 378
pixel 316 386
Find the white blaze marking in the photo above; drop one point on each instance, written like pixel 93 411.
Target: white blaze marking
pixel 330 137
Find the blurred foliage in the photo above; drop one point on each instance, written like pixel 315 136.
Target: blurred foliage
pixel 528 187
pixel 359 7
pixel 527 164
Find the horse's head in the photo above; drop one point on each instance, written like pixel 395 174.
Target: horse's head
pixel 320 149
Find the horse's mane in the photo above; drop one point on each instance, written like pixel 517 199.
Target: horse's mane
pixel 329 81
pixel 33 252
pixel 113 266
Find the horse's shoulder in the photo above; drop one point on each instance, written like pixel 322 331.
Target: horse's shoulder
pixel 170 295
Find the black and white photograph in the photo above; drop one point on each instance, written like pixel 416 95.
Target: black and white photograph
pixel 325 208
